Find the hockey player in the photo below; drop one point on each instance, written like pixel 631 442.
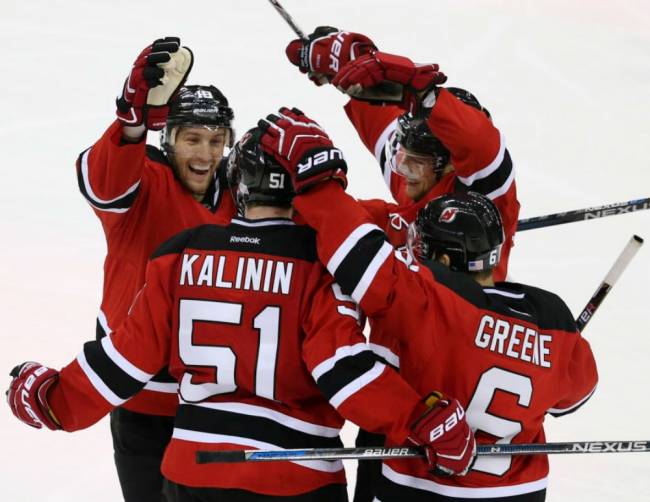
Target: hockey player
pixel 510 353
pixel 142 196
pixel 428 141
pixel 267 350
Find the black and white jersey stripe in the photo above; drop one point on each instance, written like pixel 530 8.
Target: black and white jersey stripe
pixel 358 259
pixel 348 371
pixel 385 149
pixel 119 204
pixel 161 382
pixel 493 180
pixel 559 412
pixel 112 375
pixel 255 426
pixel 398 486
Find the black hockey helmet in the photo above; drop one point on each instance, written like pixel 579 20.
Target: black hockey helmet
pixel 469 99
pixel 465 226
pixel 255 176
pixel 197 105
pixel 414 135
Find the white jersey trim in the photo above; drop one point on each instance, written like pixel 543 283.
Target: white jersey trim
pixel 124 364
pixel 492 291
pixel 383 139
pixel 164 387
pixel 98 383
pixel 459 491
pixel 265 223
pixel 276 416
pixel 341 352
pixel 490 168
pixel 562 411
pixel 390 357
pixel 89 190
pixel 355 236
pixel 103 322
pixel 207 437
pixel 369 275
pixel 357 384
pixel 503 188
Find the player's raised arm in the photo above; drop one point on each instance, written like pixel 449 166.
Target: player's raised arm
pixel 109 172
pixel 107 372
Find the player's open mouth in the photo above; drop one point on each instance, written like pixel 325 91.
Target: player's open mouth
pixel 200 171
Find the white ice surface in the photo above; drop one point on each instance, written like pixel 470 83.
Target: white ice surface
pixel 568 82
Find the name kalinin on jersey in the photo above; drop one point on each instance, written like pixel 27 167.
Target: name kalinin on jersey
pixel 255 274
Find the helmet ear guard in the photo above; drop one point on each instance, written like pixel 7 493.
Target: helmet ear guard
pixel 465 226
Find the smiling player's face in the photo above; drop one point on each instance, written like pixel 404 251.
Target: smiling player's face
pixel 197 152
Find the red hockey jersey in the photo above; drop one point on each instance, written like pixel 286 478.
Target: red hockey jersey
pixel 510 353
pixel 267 350
pixel 140 204
pixel 481 161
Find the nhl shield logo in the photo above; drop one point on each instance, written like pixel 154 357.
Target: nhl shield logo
pixel 448 215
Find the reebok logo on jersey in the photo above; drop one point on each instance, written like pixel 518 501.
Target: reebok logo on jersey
pixel 448 215
pixel 245 240
pixel 319 158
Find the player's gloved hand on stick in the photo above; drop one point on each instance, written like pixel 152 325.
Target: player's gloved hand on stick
pixel 158 72
pixel 448 441
pixel 27 395
pixel 303 148
pixel 375 68
pixel 326 51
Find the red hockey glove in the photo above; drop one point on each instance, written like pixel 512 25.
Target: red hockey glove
pixel 158 72
pixel 375 68
pixel 326 51
pixel 445 435
pixel 27 395
pixel 303 148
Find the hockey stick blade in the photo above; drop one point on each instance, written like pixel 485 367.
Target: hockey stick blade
pixel 589 213
pixel 298 455
pixel 621 263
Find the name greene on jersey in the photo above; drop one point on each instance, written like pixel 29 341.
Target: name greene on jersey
pixel 246 273
pixel 514 340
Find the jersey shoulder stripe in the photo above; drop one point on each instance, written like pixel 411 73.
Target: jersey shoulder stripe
pixel 119 204
pixel 496 183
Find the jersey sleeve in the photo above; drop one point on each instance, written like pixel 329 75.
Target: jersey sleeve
pixel 353 378
pixel 481 160
pixel 109 371
pixel 357 253
pixel 109 174
pixel 579 379
pixel 376 127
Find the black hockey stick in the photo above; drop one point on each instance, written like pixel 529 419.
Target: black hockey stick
pixel 612 276
pixel 207 457
pixel 390 92
pixel 589 213
pixel 288 19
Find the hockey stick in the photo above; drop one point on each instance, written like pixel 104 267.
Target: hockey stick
pixel 391 92
pixel 589 213
pixel 207 457
pixel 612 276
pixel 288 19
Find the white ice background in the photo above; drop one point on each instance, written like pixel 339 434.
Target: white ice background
pixel 568 83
